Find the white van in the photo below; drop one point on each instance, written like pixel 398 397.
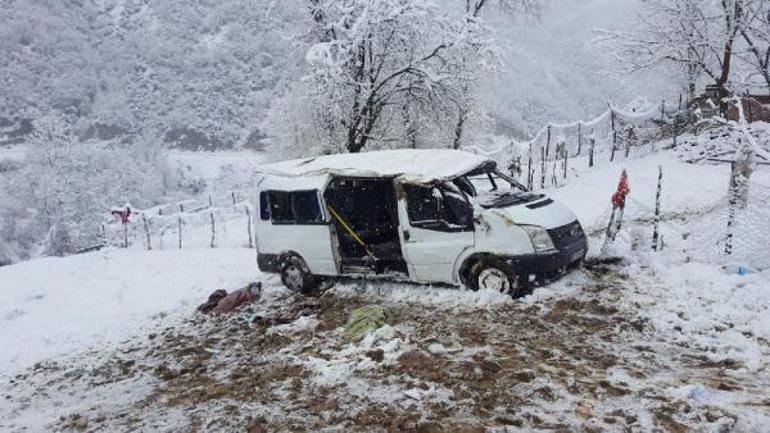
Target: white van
pixel 427 216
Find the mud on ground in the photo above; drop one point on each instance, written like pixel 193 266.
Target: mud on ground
pixel 585 361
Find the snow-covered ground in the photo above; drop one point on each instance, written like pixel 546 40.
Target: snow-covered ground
pixel 664 341
pixel 57 306
pixel 15 153
pixel 208 165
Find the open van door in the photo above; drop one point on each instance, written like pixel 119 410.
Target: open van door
pixel 436 222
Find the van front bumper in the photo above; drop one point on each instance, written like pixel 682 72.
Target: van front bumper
pixel 536 269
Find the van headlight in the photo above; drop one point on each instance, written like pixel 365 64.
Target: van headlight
pixel 541 240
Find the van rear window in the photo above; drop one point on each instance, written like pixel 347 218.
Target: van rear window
pixel 264 206
pixel 295 207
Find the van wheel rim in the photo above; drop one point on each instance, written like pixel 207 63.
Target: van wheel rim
pixel 293 277
pixel 494 279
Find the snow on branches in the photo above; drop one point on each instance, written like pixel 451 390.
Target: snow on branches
pixel 724 40
pixel 376 65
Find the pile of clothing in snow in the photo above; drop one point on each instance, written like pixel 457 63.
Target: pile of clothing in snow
pixel 220 302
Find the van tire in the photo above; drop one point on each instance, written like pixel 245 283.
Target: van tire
pixel 497 275
pixel 296 276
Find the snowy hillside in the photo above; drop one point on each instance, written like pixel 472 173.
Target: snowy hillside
pixel 606 347
pixel 385 216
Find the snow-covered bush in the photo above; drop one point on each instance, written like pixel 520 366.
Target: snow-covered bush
pixel 58 242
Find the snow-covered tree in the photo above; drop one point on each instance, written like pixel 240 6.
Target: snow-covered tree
pixel 58 241
pixel 700 38
pixel 756 35
pixel 376 63
pixel 473 12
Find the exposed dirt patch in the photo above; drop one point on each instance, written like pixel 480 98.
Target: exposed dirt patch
pixel 581 362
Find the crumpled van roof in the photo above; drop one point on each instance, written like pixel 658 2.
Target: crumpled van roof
pixel 415 164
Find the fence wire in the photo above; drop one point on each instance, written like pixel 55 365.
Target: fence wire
pixel 208 222
pixel 708 235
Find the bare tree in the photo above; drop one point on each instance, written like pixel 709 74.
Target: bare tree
pixel 756 35
pixel 698 37
pixel 734 21
pixel 373 58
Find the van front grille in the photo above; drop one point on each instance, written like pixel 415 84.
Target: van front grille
pixel 567 235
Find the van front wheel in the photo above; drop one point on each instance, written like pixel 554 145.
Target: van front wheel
pixel 297 277
pixel 495 276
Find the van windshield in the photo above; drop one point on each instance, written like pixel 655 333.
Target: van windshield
pixel 492 189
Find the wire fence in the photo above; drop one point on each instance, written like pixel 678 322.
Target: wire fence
pixel 723 233
pixel 731 232
pixel 550 158
pixel 210 222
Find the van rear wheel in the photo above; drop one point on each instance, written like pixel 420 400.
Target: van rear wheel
pixel 496 276
pixel 296 276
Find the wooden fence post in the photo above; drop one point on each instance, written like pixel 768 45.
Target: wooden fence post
pixel 248 215
pixel 580 138
pixel 181 211
pixel 731 211
pixel 591 147
pixel 147 231
pixel 542 168
pixel 530 178
pixel 180 231
pixel 213 229
pixel 125 235
pixel 662 109
pixel 566 159
pixel 614 135
pixel 676 130
pixel 656 225
pixel 554 180
pixel 630 136
pixel 548 143
pixel 232 193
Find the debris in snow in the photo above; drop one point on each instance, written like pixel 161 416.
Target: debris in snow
pixel 737 269
pixel 366 320
pixel 437 349
pixel 303 323
pixel 376 355
pixel 212 302
pixel 236 299
pixel 289 314
pixel 699 394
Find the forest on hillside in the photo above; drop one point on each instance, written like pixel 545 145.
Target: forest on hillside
pixel 94 93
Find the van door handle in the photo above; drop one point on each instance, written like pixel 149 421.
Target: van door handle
pixel 406 235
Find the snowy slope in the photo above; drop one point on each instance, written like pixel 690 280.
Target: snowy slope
pixel 687 187
pixel 687 289
pixel 656 333
pixel 54 306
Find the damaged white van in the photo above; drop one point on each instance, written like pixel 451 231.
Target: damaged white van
pixel 427 216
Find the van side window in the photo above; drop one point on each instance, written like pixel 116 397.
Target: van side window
pixel 305 207
pixel 422 204
pixel 430 207
pixel 280 207
pixel 295 207
pixel 264 206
